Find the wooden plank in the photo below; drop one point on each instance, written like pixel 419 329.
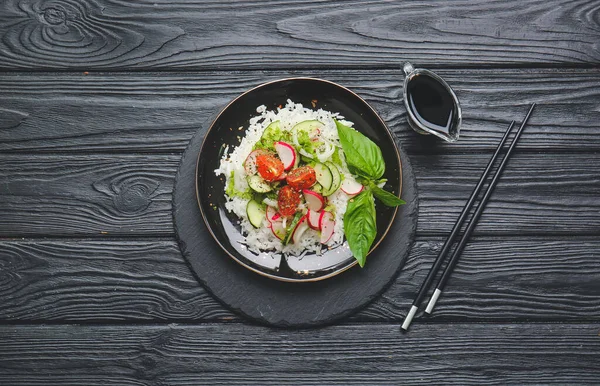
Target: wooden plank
pixel 183 355
pixel 86 195
pixel 536 194
pixel 515 279
pixel 465 377
pixel 105 281
pixel 120 195
pixel 105 34
pixel 502 279
pixel 160 112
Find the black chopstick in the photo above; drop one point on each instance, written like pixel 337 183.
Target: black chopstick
pixel 463 215
pixel 461 245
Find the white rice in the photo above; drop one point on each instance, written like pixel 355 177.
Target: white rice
pixel 262 239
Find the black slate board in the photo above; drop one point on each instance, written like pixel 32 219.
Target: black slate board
pixel 283 304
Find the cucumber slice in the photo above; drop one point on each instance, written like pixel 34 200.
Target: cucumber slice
pixel 317 188
pixel 324 176
pixel 255 213
pixel 272 134
pixel 336 179
pixel 270 130
pixel 273 125
pixel 308 126
pixel 257 184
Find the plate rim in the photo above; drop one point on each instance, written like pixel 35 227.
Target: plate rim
pixel 265 274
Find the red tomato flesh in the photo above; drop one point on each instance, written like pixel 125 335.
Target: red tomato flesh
pixel 288 200
pixel 302 178
pixel 269 167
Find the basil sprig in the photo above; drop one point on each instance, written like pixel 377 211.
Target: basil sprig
pixel 363 156
pixel 360 225
pixel 364 159
pixel 386 197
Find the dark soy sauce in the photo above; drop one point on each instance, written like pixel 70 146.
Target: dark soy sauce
pixel 432 104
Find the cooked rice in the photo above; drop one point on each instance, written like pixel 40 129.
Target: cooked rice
pixel 262 239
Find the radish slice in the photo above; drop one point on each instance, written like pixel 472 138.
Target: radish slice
pixel 327 226
pixel 299 230
pixel 278 229
pixel 351 187
pixel 314 201
pixel 270 213
pixel 302 220
pixel 286 153
pixel 250 162
pixel 320 222
pixel 276 217
pixel 313 219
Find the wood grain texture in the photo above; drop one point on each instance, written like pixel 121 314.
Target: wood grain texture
pixel 86 194
pixel 101 281
pixel 184 355
pixel 537 193
pixel 502 279
pixel 160 112
pixel 120 195
pixel 523 304
pixel 516 279
pixel 115 34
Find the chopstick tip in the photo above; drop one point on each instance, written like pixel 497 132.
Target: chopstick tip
pixel 409 317
pixel 433 300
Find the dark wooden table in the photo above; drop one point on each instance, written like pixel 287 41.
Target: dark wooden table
pixel 98 99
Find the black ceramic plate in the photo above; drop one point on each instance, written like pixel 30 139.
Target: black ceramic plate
pixel 223 131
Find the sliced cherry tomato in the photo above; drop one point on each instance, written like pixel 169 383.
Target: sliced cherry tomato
pixel 250 162
pixel 288 200
pixel 302 178
pixel 269 167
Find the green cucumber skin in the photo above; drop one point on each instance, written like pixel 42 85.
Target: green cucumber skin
pixel 255 213
pixel 336 181
pixel 317 188
pixel 258 184
pixel 307 125
pixel 322 171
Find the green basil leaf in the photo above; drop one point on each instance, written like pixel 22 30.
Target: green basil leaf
pixel 360 225
pixel 386 197
pixel 363 156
